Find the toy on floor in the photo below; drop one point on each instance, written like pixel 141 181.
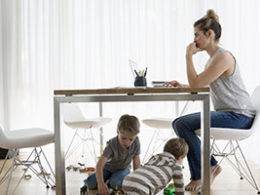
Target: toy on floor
pixel 47 175
pixel 81 164
pixel 169 190
pixel 81 169
pixel 27 176
pixel 74 168
pixel 84 191
pixel 117 192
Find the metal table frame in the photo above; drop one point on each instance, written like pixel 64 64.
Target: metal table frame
pixel 102 98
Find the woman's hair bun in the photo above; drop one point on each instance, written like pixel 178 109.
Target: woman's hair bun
pixel 212 15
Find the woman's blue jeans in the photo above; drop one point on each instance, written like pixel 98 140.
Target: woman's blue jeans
pixel 115 179
pixel 185 127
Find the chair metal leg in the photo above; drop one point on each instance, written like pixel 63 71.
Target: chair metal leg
pixel 49 165
pixel 71 143
pixel 238 165
pixel 243 172
pixel 93 146
pixel 83 140
pixel 11 172
pixel 14 157
pixel 29 165
pixel 248 168
pixel 148 147
pixel 42 170
pixel 75 148
pixel 157 136
pixel 4 176
pixel 4 162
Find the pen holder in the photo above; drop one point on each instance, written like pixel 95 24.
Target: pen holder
pixel 140 81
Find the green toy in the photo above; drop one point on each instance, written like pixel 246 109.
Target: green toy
pixel 169 190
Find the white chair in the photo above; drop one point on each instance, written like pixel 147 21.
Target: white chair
pixel 26 138
pixel 74 118
pixel 232 147
pixel 158 139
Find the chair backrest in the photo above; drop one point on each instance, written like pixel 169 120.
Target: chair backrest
pixel 71 112
pixel 256 101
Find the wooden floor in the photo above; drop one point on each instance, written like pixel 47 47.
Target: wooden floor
pixel 228 182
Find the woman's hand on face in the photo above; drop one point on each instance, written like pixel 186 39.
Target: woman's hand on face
pixel 173 84
pixel 192 49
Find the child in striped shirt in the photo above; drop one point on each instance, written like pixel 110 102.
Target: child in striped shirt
pixel 159 170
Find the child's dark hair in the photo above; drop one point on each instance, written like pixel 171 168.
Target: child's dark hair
pixel 177 147
pixel 210 21
pixel 129 123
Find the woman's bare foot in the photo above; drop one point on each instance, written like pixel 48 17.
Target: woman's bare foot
pixel 215 171
pixel 195 185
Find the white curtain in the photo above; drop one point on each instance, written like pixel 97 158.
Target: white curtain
pixel 1 76
pixel 73 44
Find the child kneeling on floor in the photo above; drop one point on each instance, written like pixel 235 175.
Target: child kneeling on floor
pixel 114 164
pixel 158 171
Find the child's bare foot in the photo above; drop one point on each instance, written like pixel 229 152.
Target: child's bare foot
pixel 194 185
pixel 215 171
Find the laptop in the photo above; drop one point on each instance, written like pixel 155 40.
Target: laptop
pixel 158 83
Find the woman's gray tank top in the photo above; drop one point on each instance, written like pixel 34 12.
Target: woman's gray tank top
pixel 229 93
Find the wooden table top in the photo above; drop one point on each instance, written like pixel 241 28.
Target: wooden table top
pixel 135 90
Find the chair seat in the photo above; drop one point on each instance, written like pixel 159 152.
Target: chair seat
pixel 88 123
pixel 24 138
pixel 159 123
pixel 228 134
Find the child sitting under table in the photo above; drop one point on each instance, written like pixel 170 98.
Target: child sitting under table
pixel 114 164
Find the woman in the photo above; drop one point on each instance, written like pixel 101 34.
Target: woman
pixel 230 99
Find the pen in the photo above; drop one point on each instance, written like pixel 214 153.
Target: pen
pixel 145 71
pixel 136 73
